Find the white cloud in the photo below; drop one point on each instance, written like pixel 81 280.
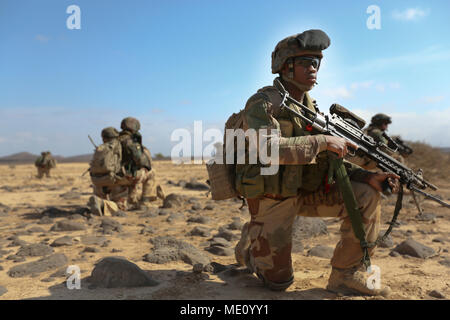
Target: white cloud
pixel 336 93
pixel 410 14
pixel 434 99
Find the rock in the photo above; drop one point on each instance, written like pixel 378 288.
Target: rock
pixel 394 254
pixel 45 220
pixel 93 240
pixel 172 201
pixel 61 273
pixel 114 250
pixel 3 290
pixel 148 229
pixel 3 213
pixel 35 229
pixel 67 225
pixel 209 207
pixel 228 235
pixel 297 246
pixel 75 216
pixel 175 216
pixel 307 227
pixel 235 225
pixel 321 251
pixel 91 249
pixel 217 241
pixel 200 231
pixel 194 185
pixel 35 250
pixel 386 243
pixel 439 239
pixel 164 212
pixel 71 195
pixel 426 217
pixel 167 248
pixel 415 249
pixel 17 242
pixel 150 213
pixel 220 251
pixel 199 219
pixel 15 258
pixel 119 213
pixel 110 225
pixel 445 262
pixel 217 267
pixel 197 268
pixel 436 294
pixel 63 241
pixel 45 264
pixel 196 207
pixel 117 272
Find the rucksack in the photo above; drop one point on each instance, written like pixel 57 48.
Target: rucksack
pixel 106 163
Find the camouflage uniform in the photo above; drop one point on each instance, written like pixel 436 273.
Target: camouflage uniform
pixel 298 188
pixel 44 164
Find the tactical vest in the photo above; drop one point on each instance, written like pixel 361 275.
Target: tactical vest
pixel 134 155
pixel 290 180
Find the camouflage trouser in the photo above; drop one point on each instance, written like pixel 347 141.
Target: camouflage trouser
pixel 145 188
pixel 42 171
pixel 114 198
pixel 270 230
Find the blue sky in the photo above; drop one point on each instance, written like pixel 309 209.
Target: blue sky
pixel 170 63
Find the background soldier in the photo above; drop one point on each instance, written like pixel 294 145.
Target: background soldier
pixel 44 163
pixel 298 187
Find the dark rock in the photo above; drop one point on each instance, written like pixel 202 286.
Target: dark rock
pixel 194 185
pixel 91 249
pixel 3 290
pixel 235 225
pixel 386 243
pixel 71 195
pixel 172 201
pixel 209 207
pixel 35 229
pixel 445 262
pixel 200 231
pixel 63 241
pixel 321 251
pixel 220 251
pixel 196 207
pixel 119 213
pixel 45 220
pixel 114 250
pixel 217 241
pixel 227 234
pixel 55 212
pixel 415 249
pixel 217 267
pixel 61 273
pixel 197 268
pixel 110 225
pixel 106 243
pixel 35 250
pixel 45 264
pixel 75 216
pixel 164 212
pixel 67 225
pixel 15 258
pixel 427 231
pixel 426 217
pixel 49 279
pixel 169 248
pixel 175 216
pixel 394 254
pixel 199 219
pixel 17 242
pixel 307 227
pixel 148 229
pixel 93 240
pixel 117 272
pixel 150 213
pixel 436 294
pixel 440 239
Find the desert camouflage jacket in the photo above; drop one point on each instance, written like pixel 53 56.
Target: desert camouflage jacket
pixel 302 151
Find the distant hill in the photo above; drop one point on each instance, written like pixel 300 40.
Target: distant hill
pixel 445 149
pixel 26 157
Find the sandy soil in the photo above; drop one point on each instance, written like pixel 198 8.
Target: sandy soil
pixel 27 197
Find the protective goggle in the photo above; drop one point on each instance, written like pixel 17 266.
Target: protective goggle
pixel 307 61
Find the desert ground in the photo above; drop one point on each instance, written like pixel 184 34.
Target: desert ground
pixel 30 210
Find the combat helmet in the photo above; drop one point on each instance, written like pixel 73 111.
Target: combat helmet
pixel 309 42
pixel 380 118
pixel 131 124
pixel 109 133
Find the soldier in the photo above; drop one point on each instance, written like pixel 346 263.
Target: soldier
pixel 44 163
pixel 299 188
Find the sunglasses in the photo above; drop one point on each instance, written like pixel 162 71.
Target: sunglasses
pixel 307 61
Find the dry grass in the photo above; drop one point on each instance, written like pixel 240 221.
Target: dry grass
pixel 434 162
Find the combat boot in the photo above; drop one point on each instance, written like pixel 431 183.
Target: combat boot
pixel 95 204
pixel 353 281
pixel 240 251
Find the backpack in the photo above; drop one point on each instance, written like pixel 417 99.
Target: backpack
pixel 106 163
pixel 222 175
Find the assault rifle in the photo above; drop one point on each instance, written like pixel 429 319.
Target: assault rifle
pixel 344 124
pixel 402 147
